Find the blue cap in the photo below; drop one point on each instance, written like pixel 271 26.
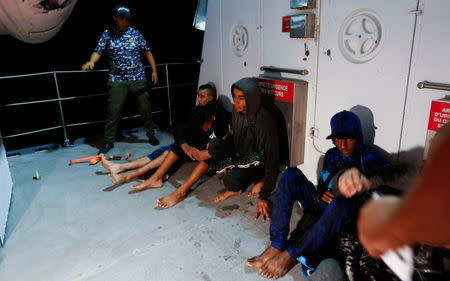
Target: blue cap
pixel 345 125
pixel 122 11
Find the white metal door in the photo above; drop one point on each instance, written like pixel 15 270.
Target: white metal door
pixel 5 190
pixel 430 61
pixel 364 55
pixel 240 41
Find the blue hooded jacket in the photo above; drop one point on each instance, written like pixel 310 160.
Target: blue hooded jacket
pixel 346 124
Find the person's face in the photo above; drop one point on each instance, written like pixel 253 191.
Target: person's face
pixel 345 146
pixel 203 97
pixel 122 23
pixel 208 124
pixel 239 101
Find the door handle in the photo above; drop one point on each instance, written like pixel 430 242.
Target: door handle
pixel 433 85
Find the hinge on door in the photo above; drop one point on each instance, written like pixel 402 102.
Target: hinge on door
pixel 416 12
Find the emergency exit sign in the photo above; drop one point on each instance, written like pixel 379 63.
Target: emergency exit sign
pixel 278 90
pixel 439 115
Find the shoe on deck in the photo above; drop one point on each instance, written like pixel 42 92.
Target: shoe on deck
pixel 106 147
pixel 153 140
pixel 252 159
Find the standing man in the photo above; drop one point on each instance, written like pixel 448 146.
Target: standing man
pixel 124 45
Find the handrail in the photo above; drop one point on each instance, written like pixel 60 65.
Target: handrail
pixel 286 70
pixel 60 99
pixel 433 85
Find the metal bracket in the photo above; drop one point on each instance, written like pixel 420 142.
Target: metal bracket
pixel 416 12
pixel 314 132
pixel 286 70
pixel 433 85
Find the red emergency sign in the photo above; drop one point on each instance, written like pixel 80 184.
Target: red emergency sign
pixel 278 90
pixel 439 114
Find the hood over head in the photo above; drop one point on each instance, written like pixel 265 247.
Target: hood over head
pixel 250 87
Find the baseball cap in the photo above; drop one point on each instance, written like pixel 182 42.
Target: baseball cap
pixel 122 11
pixel 345 125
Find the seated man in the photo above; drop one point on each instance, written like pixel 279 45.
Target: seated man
pixel 206 94
pixel 196 137
pixel 254 131
pixel 323 213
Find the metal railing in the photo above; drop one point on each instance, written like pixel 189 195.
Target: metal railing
pixel 60 99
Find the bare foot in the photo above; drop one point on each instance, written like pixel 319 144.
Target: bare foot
pixel 151 182
pixel 256 189
pixel 113 168
pixel 278 266
pixel 116 178
pixel 224 195
pixel 170 200
pixel 268 254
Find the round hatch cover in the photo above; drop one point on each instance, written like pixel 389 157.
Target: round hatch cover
pixel 361 36
pixel 239 39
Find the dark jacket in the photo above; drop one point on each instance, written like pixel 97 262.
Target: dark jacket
pixel 256 131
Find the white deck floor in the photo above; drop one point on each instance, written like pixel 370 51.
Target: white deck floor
pixel 73 225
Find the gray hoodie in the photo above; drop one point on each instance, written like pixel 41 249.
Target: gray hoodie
pixel 256 131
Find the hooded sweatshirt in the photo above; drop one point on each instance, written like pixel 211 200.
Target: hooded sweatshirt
pixel 256 131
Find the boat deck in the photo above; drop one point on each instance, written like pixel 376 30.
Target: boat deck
pixel 73 224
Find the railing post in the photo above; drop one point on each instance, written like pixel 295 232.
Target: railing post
pixel 168 94
pixel 63 123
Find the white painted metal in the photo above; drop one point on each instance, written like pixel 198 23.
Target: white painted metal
pixel 5 190
pixel 247 15
pixel 430 61
pixel 378 85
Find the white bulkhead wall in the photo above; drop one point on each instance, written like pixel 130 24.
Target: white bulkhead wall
pixel 267 45
pixel 382 88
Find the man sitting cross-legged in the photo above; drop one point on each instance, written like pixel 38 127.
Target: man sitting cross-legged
pixel 255 140
pixel 198 138
pixel 323 212
pixel 206 94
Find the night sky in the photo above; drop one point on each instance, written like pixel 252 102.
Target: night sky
pixel 167 26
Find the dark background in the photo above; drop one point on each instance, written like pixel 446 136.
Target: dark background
pixel 167 26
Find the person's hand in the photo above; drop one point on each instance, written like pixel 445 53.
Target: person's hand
pixel 201 155
pixel 190 151
pixel 327 197
pixel 351 182
pixel 374 230
pixel 88 66
pixel 154 78
pixel 263 210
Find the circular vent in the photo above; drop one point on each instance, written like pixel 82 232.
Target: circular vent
pixel 238 39
pixel 361 35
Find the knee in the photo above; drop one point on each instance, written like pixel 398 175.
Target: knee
pixel 215 147
pixel 292 175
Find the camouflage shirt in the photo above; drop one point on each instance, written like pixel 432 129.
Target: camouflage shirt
pixel 124 51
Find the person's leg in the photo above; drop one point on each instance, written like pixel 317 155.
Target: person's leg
pixel 144 105
pixel 126 177
pixel 180 193
pixel 155 181
pixel 325 229
pixel 117 93
pixel 117 168
pixel 237 180
pixel 293 186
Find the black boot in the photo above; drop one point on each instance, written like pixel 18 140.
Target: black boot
pixel 106 147
pixel 153 140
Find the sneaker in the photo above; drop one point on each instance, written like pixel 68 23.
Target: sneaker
pixel 153 140
pixel 306 269
pixel 226 164
pixel 106 147
pixel 253 159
